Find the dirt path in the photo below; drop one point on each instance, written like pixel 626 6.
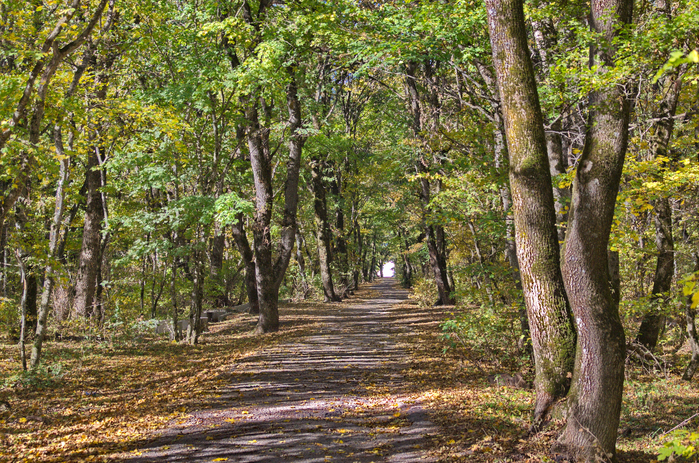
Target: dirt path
pixel 338 395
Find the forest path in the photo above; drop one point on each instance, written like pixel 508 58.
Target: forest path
pixel 337 395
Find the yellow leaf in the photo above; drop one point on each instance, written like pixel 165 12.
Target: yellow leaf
pixel 209 437
pixel 695 300
pixel 220 459
pixel 230 420
pixel 246 412
pixel 452 441
pixel 22 420
pixel 396 414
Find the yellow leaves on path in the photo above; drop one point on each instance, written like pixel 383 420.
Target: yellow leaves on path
pixel 114 395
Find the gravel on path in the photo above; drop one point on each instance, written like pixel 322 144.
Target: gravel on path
pixel 338 395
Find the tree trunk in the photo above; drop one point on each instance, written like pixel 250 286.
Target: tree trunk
pixel 594 401
pixel 31 300
pixel 502 166
pixel 269 274
pixel 243 245
pixel 23 308
pixel 340 251
pixel 434 232
pixel 174 296
pixel 194 328
pixel 218 245
pixel 54 238
pixel 654 321
pixel 322 230
pixel 550 321
pixel 690 314
pixel 86 281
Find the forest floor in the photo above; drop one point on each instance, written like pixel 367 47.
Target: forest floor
pixel 365 380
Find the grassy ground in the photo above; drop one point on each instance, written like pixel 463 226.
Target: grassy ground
pixel 96 399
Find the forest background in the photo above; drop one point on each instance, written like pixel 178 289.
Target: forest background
pixel 165 158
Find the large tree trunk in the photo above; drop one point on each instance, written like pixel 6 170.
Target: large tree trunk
pixel 550 321
pixel 594 401
pixel 95 178
pixel 269 274
pixel 322 230
pixel 502 166
pixel 86 282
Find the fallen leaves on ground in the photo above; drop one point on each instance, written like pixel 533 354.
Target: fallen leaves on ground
pixel 114 395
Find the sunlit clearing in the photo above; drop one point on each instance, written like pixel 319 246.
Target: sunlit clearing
pixel 389 270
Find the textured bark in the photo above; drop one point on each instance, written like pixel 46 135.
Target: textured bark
pixel 594 401
pixel 322 230
pixel 501 164
pixel 550 322
pixel 86 281
pixel 268 273
pixel 95 178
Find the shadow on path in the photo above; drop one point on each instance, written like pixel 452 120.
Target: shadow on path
pixel 338 395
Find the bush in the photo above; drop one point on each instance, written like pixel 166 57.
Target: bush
pixel 9 318
pixel 682 444
pixel 424 292
pixel 488 330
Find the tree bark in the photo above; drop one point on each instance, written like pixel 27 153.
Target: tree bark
pixel 194 328
pixel 269 274
pixel 246 252
pixel 322 230
pixel 54 238
pixel 86 282
pixel 550 321
pixel 594 401
pixel 340 251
